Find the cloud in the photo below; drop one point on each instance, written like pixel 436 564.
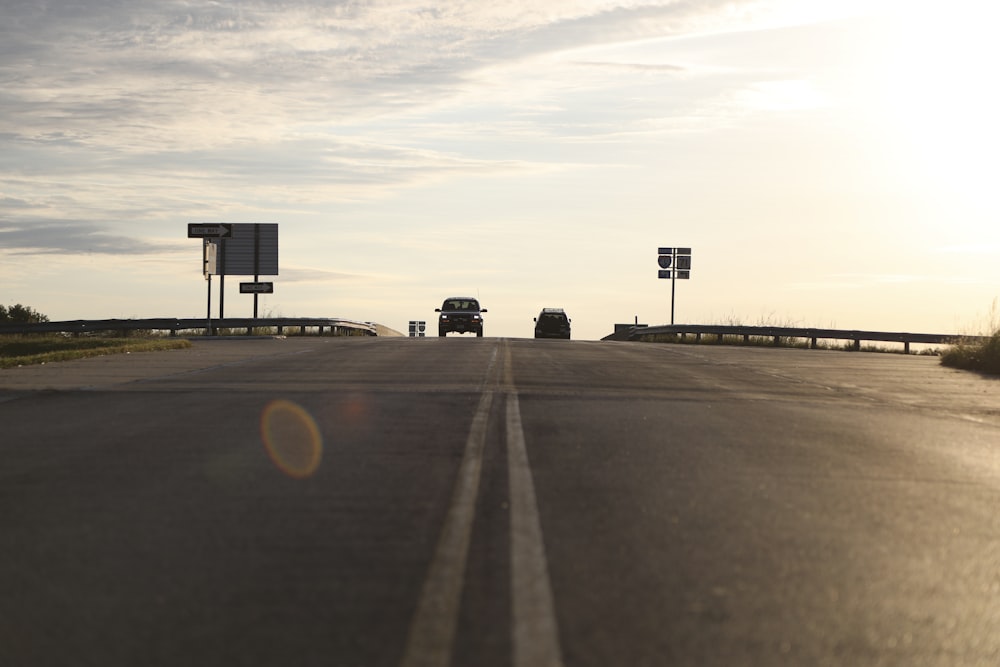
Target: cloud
pixel 120 116
pixel 70 238
pixel 170 67
pixel 633 67
pixel 299 274
pixel 852 281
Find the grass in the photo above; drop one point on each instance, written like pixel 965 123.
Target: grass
pixel 28 350
pixel 982 356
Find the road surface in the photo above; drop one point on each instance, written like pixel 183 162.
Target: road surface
pixel 498 502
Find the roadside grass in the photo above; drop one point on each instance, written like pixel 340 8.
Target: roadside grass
pixel 969 355
pixel 982 353
pixel 28 350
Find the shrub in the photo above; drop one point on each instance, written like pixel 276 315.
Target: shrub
pixel 975 355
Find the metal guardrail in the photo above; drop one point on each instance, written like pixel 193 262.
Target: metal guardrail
pixel 206 327
pixel 813 335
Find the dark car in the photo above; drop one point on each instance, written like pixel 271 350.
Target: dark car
pixel 461 314
pixel 552 323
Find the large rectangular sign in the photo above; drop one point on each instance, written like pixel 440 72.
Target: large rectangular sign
pixel 250 250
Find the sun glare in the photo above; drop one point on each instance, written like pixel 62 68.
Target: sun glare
pixel 940 90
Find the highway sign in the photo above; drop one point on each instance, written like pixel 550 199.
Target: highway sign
pixel 256 288
pixel 675 264
pixel 251 251
pixel 208 230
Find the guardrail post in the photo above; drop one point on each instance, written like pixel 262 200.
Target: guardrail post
pixel 813 344
pixel 857 344
pixel 906 347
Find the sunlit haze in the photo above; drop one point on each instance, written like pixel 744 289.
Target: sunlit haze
pixel 830 163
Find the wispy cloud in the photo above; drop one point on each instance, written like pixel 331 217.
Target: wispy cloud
pixel 71 238
pixel 117 116
pixel 858 281
pixel 299 274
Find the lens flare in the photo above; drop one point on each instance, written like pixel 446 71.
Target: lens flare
pixel 291 437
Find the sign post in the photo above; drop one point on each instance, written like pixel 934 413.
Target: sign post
pixel 244 249
pixel 674 263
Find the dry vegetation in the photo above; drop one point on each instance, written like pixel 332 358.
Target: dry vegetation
pixel 25 350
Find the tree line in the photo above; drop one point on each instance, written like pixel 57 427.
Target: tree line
pixel 18 314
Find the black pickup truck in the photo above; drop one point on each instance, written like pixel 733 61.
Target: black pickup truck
pixel 461 314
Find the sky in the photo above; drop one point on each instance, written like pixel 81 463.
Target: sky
pixel 830 163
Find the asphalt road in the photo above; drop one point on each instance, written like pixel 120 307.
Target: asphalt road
pixel 487 502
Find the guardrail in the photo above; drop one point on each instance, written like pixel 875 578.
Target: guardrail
pixel 813 335
pixel 206 327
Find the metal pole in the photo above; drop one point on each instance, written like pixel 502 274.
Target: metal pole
pixel 222 278
pixel 673 283
pixel 208 315
pixel 255 279
pixel 256 265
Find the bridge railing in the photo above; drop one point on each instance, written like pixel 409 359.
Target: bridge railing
pixel 248 325
pixel 778 334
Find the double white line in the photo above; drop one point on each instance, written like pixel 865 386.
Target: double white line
pixel 534 633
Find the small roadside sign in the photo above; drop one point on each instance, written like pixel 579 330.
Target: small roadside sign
pixel 201 230
pixel 256 288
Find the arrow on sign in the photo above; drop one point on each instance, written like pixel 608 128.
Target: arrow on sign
pixel 198 230
pixel 256 288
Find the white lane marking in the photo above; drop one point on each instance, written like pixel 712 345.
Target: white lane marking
pixel 432 631
pixel 534 630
